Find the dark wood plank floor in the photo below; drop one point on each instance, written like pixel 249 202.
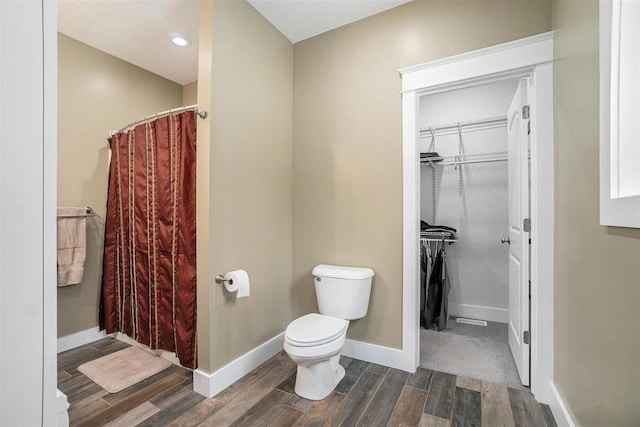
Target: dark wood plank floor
pixel 369 395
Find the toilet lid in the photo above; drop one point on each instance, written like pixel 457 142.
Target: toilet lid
pixel 315 329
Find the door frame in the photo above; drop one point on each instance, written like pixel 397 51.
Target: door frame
pixel 28 148
pixel 533 57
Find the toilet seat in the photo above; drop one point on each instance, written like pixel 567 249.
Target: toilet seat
pixel 315 329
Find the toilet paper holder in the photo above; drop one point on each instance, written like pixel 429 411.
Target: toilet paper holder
pixel 235 282
pixel 220 279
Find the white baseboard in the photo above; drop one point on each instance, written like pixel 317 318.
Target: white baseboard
pixel 490 314
pixel 209 385
pixel 559 409
pixel 373 353
pixel 80 338
pixel 62 410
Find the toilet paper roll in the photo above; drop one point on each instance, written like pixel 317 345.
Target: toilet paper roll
pixel 237 281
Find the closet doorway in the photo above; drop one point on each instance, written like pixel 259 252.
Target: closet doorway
pixel 530 58
pixel 474 197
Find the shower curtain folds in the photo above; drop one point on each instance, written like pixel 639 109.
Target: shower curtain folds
pixel 149 265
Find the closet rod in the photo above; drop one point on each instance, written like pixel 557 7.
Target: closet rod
pixel 438 236
pixel 201 114
pixel 424 240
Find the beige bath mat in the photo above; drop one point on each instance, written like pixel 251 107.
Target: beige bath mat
pixel 124 368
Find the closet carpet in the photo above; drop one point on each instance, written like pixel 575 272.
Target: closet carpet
pixel 369 395
pixel 470 350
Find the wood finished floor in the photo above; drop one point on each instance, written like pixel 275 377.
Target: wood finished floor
pixel 369 395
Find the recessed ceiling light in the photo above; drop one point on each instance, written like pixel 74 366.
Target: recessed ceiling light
pixel 179 40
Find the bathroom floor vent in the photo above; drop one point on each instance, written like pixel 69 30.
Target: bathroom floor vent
pixel 471 321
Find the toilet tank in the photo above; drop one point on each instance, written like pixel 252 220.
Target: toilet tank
pixel 343 292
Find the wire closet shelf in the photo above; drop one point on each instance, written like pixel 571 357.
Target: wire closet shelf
pixel 433 132
pixel 433 159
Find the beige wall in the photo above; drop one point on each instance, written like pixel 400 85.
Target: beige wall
pixel 347 138
pixel 597 269
pixel 250 179
pixel 96 93
pixel 190 93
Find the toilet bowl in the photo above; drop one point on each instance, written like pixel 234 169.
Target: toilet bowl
pixel 314 341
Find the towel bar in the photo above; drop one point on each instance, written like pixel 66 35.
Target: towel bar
pixel 89 212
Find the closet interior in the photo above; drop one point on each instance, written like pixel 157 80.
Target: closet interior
pixel 464 215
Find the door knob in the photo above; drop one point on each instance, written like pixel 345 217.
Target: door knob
pixel 506 240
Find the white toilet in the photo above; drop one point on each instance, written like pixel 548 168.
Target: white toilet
pixel 314 341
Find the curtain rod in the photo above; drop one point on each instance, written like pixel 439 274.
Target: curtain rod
pixel 201 114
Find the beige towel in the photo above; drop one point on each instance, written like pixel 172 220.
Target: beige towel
pixel 72 245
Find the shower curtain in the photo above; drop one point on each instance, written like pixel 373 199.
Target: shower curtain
pixel 149 265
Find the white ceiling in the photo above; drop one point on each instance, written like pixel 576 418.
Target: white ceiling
pixel 137 31
pixel 301 19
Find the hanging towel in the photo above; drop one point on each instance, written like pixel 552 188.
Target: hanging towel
pixel 72 245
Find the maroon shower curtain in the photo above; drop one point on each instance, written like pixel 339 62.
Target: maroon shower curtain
pixel 149 266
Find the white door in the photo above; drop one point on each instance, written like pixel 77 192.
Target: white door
pixel 518 148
